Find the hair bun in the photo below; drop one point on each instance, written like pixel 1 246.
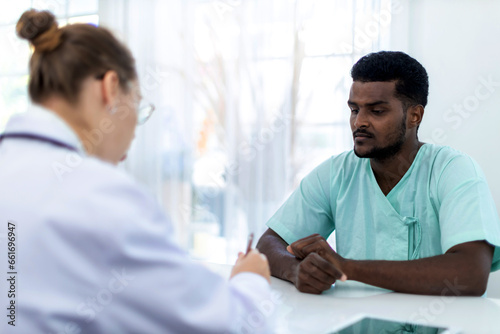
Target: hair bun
pixel 40 28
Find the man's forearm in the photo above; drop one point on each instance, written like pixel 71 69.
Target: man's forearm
pixel 453 273
pixel 282 263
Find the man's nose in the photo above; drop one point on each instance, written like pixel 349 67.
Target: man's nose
pixel 361 120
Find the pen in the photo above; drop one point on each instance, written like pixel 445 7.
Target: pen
pixel 249 245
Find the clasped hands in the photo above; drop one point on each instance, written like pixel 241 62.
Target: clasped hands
pixel 320 265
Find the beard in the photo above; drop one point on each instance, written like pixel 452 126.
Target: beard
pixel 389 151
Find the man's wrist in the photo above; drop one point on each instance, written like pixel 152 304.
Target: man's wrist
pixel 349 269
pixel 290 273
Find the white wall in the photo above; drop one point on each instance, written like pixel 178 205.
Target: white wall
pixel 458 43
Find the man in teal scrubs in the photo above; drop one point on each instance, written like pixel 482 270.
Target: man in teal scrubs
pixel 409 216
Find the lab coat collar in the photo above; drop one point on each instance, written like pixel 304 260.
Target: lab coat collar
pixel 44 122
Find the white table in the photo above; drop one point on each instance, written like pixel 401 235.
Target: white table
pixel 296 312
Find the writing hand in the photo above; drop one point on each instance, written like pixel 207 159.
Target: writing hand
pixel 254 262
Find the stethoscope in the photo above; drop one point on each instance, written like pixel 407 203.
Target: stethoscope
pixel 31 136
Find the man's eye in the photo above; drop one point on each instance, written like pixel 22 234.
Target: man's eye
pixel 354 111
pixel 377 111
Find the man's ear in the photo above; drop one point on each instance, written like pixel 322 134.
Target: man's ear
pixel 110 88
pixel 415 115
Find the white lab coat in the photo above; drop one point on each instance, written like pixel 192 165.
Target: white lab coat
pixel 94 253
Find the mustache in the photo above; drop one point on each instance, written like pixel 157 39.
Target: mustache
pixel 358 131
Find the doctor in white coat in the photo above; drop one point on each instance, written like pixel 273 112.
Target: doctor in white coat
pixel 90 251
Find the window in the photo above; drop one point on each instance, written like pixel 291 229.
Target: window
pixel 269 84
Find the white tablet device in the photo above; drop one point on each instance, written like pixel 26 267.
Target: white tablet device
pixel 364 324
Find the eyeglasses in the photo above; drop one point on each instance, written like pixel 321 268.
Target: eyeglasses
pixel 144 109
pixel 144 112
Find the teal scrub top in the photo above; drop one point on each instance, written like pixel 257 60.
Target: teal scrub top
pixel 441 201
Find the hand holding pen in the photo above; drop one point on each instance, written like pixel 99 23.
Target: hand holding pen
pixel 252 261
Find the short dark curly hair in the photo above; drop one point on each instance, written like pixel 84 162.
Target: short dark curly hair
pixel 412 81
